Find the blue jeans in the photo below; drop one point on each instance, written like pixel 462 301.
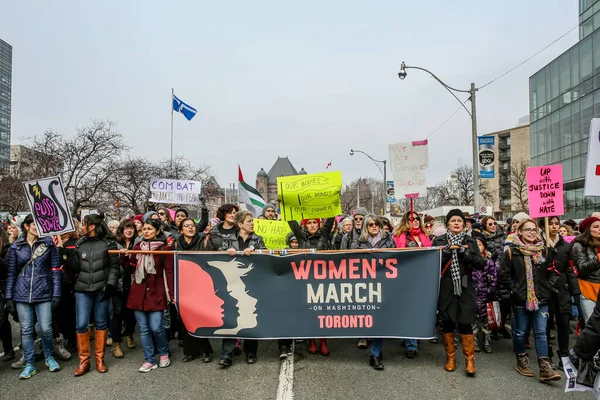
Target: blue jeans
pixel 151 323
pixel 84 304
pixel 410 344
pixel 521 321
pixel 43 311
pixel 376 345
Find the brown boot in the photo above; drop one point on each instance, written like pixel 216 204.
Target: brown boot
pixel 468 347
pixel 99 345
pixel 546 371
pixel 83 348
pixel 450 346
pixel 116 349
pixel 129 341
pixel 523 365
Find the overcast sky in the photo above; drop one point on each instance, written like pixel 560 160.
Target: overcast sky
pixel 308 79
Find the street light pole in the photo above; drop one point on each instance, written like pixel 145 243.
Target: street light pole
pixel 473 113
pixel 384 162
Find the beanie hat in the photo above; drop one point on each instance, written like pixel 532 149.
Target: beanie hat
pixel 455 213
pixel 586 223
pixel 521 216
pixel 138 217
pixel 17 221
pixel 428 218
pixel 361 211
pixel 183 210
pixel 289 238
pixel 304 221
pixel 571 223
pixel 266 207
pixel 439 231
pixel 147 216
pixel 479 236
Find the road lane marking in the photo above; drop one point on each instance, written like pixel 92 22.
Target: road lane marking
pixel 285 391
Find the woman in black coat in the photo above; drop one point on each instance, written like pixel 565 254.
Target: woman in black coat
pixel 457 304
pixel 192 240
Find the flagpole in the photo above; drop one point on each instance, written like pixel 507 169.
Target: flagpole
pixel 172 98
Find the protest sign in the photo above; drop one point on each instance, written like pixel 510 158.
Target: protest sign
pixel 273 233
pixel 49 206
pixel 408 162
pixel 486 156
pixel 391 293
pixel 545 191
pixel 592 175
pixel 310 195
pixel 172 191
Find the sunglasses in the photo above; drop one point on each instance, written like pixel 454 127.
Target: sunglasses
pixel 188 226
pixel 370 224
pixel 358 219
pixel 161 213
pixel 492 223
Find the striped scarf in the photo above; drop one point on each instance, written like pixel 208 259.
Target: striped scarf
pixel 530 251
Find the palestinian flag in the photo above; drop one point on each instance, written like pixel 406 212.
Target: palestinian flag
pixel 249 196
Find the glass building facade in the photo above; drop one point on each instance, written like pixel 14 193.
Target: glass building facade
pixel 5 101
pixel 563 97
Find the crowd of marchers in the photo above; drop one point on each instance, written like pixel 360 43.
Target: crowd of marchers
pixel 71 295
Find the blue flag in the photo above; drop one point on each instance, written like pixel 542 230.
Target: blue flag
pixel 187 110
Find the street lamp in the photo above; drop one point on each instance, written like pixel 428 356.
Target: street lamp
pixel 473 113
pixel 384 162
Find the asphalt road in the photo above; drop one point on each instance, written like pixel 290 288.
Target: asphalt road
pixel 345 374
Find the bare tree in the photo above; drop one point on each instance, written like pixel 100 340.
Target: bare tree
pixel 518 185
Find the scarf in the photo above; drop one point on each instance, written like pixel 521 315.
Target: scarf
pixel 183 245
pixel 455 240
pixel 373 240
pixel 145 262
pixel 530 251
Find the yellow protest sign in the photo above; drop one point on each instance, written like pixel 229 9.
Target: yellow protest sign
pixel 273 233
pixel 310 195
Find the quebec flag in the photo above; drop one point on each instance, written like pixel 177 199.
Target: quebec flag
pixel 187 110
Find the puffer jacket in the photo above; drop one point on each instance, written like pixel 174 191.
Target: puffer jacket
pixel 350 239
pixel 513 277
pixel 564 284
pixel 40 281
pixel 235 241
pixel 386 242
pixel 585 258
pixel 495 243
pixel 486 284
pixel 215 236
pixel 95 266
pixel 319 241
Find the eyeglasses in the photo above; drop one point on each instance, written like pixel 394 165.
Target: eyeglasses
pixel 358 218
pixel 188 226
pixel 161 213
pixel 492 223
pixel 370 224
pixel 529 230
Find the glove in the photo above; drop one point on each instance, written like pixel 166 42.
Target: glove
pixel 503 294
pixel 447 249
pixel 107 292
pixel 413 244
pixel 55 302
pixel 10 307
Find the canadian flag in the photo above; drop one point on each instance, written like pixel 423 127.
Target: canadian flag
pixel 328 165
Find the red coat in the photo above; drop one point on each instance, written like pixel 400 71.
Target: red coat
pixel 150 294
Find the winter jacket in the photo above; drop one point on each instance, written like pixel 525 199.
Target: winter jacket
pixel 350 239
pixel 495 243
pixel 319 240
pixel 216 237
pixel 96 268
pixel 66 254
pixel 40 281
pixel 386 242
pixel 151 295
pixel 200 242
pixel 236 241
pixel 513 277
pixel 337 241
pixel 486 284
pixel 586 261
pixel 588 342
pixel 404 240
pixel 564 284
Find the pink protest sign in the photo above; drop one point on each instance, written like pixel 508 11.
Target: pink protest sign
pixel 545 191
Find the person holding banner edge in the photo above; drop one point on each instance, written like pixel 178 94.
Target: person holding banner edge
pixel 457 299
pixel 373 236
pixel 242 240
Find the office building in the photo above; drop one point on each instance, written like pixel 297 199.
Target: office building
pixel 5 101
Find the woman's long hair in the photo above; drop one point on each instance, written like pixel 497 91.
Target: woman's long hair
pixel 97 220
pixel 120 236
pixel 405 224
pixel 364 233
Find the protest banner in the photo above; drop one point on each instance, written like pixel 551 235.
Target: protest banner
pixel 486 156
pixel 273 233
pixel 408 162
pixel 310 195
pixel 173 191
pixel 545 191
pixel 389 293
pixel 49 206
pixel 592 175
